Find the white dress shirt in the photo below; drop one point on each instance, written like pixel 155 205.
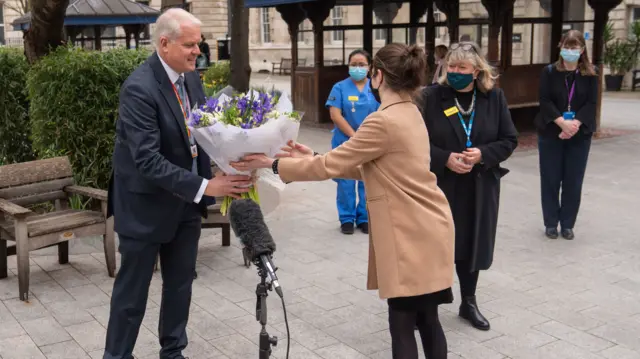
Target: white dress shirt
pixel 173 77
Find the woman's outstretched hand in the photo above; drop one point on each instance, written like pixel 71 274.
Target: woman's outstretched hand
pixel 253 162
pixel 295 150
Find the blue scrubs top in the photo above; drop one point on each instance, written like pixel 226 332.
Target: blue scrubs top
pixel 346 96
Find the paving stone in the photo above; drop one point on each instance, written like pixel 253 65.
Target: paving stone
pixel 21 347
pixel 69 277
pixel 91 335
pixel 44 331
pixel 64 350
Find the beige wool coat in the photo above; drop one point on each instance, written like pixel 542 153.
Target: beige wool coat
pixel 411 232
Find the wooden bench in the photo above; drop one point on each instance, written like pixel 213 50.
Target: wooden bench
pixel 635 79
pixel 284 66
pixel 215 219
pixel 41 182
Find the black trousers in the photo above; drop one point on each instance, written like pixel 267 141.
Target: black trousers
pixel 131 290
pixel 468 280
pixel 562 167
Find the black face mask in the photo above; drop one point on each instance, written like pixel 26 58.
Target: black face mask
pixel 375 92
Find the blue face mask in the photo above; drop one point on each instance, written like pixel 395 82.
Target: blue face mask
pixel 570 55
pixel 459 81
pixel 358 73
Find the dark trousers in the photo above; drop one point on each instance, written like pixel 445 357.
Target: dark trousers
pixel 131 289
pixel 562 167
pixel 468 280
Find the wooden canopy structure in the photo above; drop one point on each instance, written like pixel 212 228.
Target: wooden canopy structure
pixel 97 15
pixel 310 85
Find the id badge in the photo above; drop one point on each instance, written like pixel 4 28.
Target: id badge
pixel 569 115
pixel 194 151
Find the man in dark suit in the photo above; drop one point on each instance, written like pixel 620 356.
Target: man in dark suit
pixel 160 188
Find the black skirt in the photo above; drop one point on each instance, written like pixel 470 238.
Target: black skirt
pixel 421 302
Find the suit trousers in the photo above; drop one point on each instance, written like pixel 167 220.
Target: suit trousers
pixel 131 290
pixel 562 167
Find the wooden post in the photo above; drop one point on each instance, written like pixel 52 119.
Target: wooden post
pixel 317 13
pixel 557 17
pixel 499 11
pixel 293 15
pixel 601 10
pixel 97 37
pixel 367 24
pixel 451 8
pixel 430 40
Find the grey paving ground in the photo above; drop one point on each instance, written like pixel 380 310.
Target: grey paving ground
pixel 546 299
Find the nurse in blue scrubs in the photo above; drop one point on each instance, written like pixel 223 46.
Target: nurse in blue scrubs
pixel 349 103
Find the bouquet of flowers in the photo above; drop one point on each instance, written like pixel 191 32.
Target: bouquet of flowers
pixel 228 128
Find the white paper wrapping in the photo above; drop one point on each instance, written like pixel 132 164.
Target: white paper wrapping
pixel 225 144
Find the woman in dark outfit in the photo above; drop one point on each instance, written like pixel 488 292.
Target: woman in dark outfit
pixel 471 133
pixel 566 123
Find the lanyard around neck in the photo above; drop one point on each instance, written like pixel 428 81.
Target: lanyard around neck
pixel 572 90
pixel 184 113
pixel 467 129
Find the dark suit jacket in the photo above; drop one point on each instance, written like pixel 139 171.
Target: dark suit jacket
pixel 152 187
pixel 495 135
pixel 554 97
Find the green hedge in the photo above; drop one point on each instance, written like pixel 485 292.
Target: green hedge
pixel 15 129
pixel 74 107
pixel 216 77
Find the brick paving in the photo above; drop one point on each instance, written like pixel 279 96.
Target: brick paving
pixel 545 298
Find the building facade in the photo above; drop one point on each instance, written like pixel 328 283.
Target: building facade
pixel 269 40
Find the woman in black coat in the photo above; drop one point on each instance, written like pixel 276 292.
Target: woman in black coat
pixel 566 123
pixel 470 133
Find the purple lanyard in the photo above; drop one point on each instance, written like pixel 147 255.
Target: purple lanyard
pixel 572 91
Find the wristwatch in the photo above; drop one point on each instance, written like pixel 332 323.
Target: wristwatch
pixel 274 166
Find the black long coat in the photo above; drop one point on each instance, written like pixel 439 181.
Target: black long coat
pixel 495 135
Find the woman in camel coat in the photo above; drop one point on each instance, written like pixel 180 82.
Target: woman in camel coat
pixel 411 226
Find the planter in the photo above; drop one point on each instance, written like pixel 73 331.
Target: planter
pixel 613 82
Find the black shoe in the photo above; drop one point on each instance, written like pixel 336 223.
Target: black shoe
pixel 567 233
pixel 551 233
pixel 347 228
pixel 364 227
pixel 469 311
pixel 195 275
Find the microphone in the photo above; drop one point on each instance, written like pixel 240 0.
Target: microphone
pixel 247 221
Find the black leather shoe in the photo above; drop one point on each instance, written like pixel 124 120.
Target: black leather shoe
pixel 469 311
pixel 195 275
pixel 567 233
pixel 364 227
pixel 551 233
pixel 347 228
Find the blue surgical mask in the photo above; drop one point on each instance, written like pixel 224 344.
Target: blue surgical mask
pixel 358 73
pixel 459 81
pixel 570 55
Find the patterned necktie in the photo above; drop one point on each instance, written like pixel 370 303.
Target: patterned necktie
pixel 183 99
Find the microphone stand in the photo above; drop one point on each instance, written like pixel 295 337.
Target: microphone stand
pixel 266 341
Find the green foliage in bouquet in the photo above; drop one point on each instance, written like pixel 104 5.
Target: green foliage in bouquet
pixel 216 77
pixel 74 98
pixel 15 128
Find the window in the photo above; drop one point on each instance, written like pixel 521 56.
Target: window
pixel 379 34
pixel 265 25
pixel 302 28
pixel 635 14
pixel 2 40
pixel 336 20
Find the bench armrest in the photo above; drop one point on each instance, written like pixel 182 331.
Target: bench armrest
pixel 13 209
pixel 95 193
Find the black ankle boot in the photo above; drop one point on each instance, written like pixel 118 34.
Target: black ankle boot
pixel 469 311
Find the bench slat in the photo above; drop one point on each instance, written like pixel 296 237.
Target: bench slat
pixel 55 222
pixel 11 193
pixel 19 174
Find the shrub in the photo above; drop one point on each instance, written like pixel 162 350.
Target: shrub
pixel 15 129
pixel 74 107
pixel 216 77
